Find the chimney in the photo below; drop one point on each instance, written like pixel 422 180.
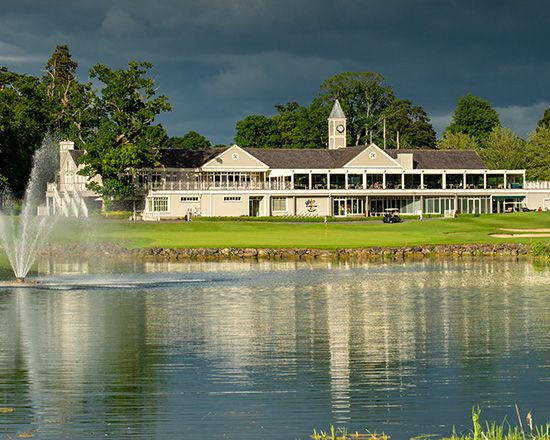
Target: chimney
pixel 66 146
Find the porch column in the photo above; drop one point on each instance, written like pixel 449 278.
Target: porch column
pixel 444 180
pixel 309 186
pixel 505 178
pixel 384 180
pixel 485 180
pixel 421 181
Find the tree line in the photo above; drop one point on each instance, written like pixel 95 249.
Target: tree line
pixel 112 117
pixel 375 114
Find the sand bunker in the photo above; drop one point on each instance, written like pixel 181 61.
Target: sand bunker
pixel 526 230
pixel 519 235
pixel 524 233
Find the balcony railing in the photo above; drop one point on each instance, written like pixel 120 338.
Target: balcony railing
pixel 207 186
pixel 220 186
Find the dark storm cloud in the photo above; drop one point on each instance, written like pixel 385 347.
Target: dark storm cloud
pixel 221 60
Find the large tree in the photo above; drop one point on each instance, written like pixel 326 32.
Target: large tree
pixel 545 121
pixel 538 154
pixel 457 141
pixel 70 102
pixel 302 127
pixel 257 131
pixel 504 150
pixel 191 139
pixel 410 124
pixel 475 117
pixel 24 120
pixel 126 138
pixel 364 96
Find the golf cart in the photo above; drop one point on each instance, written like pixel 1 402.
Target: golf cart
pixel 391 215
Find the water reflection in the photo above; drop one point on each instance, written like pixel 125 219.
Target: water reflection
pixel 274 348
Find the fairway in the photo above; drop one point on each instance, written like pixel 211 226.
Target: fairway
pixel 198 234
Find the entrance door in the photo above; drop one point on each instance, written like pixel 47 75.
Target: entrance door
pixel 254 206
pixel 474 206
pixel 339 207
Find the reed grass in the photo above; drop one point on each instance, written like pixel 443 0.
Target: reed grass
pixel 491 431
pixel 504 430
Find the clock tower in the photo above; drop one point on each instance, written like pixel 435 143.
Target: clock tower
pixel 336 127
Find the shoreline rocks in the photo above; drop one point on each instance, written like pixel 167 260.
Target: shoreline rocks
pixel 367 253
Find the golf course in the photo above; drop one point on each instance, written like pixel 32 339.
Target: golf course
pixel 523 227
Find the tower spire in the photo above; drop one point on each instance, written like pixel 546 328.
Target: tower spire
pixel 336 127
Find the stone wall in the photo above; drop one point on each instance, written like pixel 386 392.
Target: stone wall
pixel 372 253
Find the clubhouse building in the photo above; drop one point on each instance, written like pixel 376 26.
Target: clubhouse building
pixel 339 181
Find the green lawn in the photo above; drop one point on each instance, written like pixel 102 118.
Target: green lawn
pixel 462 230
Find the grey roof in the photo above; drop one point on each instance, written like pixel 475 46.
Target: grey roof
pixel 187 158
pixel 337 111
pixel 76 154
pixel 442 159
pixel 313 158
pixel 287 158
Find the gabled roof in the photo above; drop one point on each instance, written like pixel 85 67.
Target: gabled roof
pixel 76 154
pixel 305 157
pixel 187 158
pixel 442 159
pixel 313 158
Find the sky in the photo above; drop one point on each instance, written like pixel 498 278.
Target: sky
pixel 221 60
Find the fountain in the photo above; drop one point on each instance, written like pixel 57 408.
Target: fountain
pixel 22 237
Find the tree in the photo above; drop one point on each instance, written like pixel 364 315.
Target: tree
pixel 24 120
pixel 504 150
pixel 545 121
pixel 457 141
pixel 191 139
pixel 538 154
pixel 475 117
pixel 364 97
pixel 412 124
pixel 301 127
pixel 126 138
pixel 257 131
pixel 70 102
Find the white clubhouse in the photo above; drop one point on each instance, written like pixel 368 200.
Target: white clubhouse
pixel 336 181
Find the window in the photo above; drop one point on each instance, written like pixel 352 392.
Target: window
pixel 158 204
pixel 301 181
pixel 186 199
pixel 232 198
pixel 278 204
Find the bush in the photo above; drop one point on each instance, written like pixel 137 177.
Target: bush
pixel 539 249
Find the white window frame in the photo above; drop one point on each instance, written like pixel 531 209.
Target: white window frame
pixel 190 199
pixel 232 199
pixel 279 199
pixel 154 202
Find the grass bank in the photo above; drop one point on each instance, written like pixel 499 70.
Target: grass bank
pixel 197 234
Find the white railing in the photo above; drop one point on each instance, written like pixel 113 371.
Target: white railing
pixel 58 202
pixel 150 216
pixel 80 203
pixel 537 184
pixel 183 186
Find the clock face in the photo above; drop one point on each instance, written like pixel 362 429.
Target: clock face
pixel 235 156
pixel 372 155
pixel 340 128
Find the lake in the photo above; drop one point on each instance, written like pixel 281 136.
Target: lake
pixel 272 350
